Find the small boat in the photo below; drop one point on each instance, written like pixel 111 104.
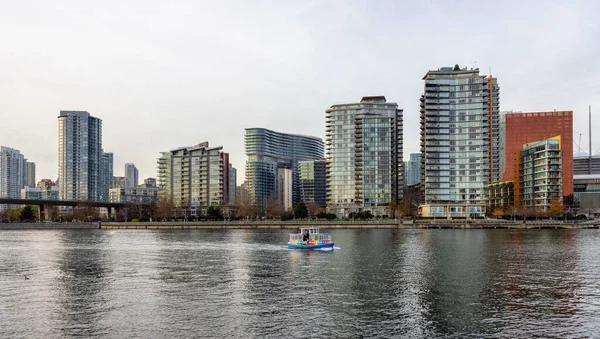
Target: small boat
pixel 310 238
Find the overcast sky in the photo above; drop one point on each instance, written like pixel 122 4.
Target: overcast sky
pixel 166 74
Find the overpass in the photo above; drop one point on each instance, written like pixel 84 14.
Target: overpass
pixel 45 206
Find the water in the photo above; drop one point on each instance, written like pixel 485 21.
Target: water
pixel 246 283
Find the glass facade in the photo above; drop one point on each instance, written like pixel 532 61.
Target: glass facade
pixel 413 169
pixel 313 182
pixel 459 136
pixel 79 156
pixel 364 155
pixel 268 151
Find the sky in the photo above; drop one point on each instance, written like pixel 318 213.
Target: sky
pixel 168 74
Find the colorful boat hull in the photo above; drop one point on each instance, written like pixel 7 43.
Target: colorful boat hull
pixel 311 247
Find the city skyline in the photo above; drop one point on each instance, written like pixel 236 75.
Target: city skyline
pixel 184 95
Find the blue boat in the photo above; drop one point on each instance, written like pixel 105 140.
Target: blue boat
pixel 310 238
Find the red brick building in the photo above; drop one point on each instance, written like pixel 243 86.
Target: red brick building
pixel 522 128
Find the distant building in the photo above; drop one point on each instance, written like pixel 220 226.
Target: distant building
pixel 79 156
pixel 528 127
pixel 364 144
pixel 31 193
pixel 232 183
pixel 106 175
pixel 30 182
pixel 131 175
pixel 118 182
pixel 268 152
pixel 195 177
pixel 584 164
pixel 413 169
pixel 149 182
pixel 46 184
pixel 36 193
pixel 285 184
pixel 460 143
pixel 134 195
pixel 12 174
pixel 313 182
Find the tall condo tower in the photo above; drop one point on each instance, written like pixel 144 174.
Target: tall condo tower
pixel 106 172
pixel 195 177
pixel 364 156
pixel 131 175
pixel 460 147
pixel 269 154
pixel 79 156
pixel 12 174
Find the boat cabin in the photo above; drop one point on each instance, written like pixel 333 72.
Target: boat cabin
pixel 314 235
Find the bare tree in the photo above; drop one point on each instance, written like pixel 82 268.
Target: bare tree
pixel 313 209
pixel 274 207
pixel 164 208
pixel 244 204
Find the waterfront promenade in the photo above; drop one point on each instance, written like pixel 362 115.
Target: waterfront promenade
pixel 334 224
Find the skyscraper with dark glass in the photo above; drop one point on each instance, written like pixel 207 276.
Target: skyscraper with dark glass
pixel 269 153
pixel 364 156
pixel 459 136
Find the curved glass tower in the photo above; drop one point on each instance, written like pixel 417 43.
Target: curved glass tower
pixel 269 154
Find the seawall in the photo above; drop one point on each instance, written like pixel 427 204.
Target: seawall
pixel 336 224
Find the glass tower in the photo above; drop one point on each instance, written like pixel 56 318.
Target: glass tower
pixel 268 152
pixel 364 156
pixel 79 156
pixel 459 136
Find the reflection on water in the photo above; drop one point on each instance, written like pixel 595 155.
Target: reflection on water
pixel 246 283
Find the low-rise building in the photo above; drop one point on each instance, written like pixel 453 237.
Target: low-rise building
pixel 501 195
pixel 134 195
pixel 450 210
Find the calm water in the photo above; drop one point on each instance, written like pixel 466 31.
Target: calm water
pixel 245 283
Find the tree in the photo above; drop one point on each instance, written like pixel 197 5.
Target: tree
pixel 164 207
pixel 27 213
pixel 300 211
pixel 214 213
pixel 274 208
pixel 498 213
pixel 556 210
pixel 312 208
pixel 456 67
pixel 244 204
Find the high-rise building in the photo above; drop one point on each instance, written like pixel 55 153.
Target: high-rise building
pixel 269 151
pixel 364 156
pixel 131 175
pixel 459 137
pixel 79 156
pixel 522 128
pixel 413 169
pixel 232 183
pixel 12 174
pixel 195 177
pixel 313 182
pixel 30 182
pixel 106 172
pixel 540 174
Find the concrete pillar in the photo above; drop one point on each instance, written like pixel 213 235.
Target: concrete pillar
pixel 48 212
pixel 109 212
pixel 41 216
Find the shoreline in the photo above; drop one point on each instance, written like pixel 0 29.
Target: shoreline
pixel 388 224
